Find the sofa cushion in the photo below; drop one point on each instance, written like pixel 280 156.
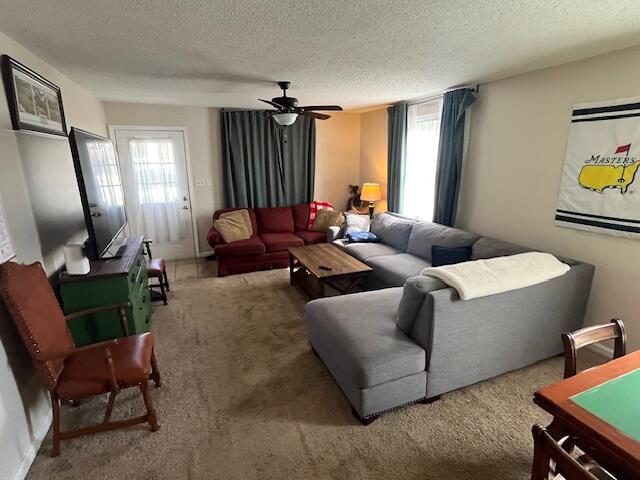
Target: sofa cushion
pixel 310 237
pixel 278 242
pixel 362 251
pixel 275 220
pixel 449 255
pixel 356 222
pixel 392 230
pixel 327 218
pixel 360 332
pixel 427 234
pixel 234 226
pixel 251 211
pixel 413 294
pixel 486 247
pixel 394 270
pixel 251 246
pixel 301 216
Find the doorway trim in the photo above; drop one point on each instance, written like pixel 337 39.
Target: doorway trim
pixel 187 155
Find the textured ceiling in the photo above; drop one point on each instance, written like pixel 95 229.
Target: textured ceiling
pixel 354 53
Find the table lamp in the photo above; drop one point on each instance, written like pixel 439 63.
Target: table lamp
pixel 371 193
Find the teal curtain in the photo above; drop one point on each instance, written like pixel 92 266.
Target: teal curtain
pixel 265 164
pixel 449 168
pixel 396 153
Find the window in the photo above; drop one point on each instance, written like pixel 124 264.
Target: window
pixel 154 170
pixel 423 133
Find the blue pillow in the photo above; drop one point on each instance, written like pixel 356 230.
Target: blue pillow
pixel 449 255
pixel 361 237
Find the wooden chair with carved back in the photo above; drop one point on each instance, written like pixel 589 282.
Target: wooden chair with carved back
pixel 73 373
pixel 547 450
pixel 574 341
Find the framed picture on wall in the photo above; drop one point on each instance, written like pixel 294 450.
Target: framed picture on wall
pixel 34 102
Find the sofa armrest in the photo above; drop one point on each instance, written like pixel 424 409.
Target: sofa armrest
pixel 214 237
pixel 334 233
pixel 472 340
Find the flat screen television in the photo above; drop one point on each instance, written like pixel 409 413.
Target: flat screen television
pixel 100 184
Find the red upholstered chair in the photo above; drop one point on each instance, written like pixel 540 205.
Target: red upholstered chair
pixel 156 269
pixel 72 373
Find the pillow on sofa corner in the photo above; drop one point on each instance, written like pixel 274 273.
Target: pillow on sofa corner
pixel 314 208
pixel 325 219
pixel 245 215
pixel 361 237
pixel 449 255
pixel 234 226
pixel 356 222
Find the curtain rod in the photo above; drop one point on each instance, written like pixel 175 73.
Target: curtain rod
pixel 433 96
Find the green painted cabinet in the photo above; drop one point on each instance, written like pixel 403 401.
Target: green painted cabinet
pixel 118 280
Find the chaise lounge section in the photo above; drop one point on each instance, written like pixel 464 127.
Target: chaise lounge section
pixel 450 343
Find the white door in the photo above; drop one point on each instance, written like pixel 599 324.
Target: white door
pixel 156 189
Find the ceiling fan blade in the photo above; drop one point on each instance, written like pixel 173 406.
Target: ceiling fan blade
pixel 319 116
pixel 327 108
pixel 275 105
pixel 269 113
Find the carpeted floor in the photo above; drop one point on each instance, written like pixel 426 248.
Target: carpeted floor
pixel 244 398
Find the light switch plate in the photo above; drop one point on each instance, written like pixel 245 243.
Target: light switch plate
pixel 200 182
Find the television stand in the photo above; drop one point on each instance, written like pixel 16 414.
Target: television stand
pixel 112 281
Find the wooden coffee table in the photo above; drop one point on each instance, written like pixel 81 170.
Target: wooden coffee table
pixel 305 271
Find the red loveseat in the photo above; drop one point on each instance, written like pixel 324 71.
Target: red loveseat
pixel 274 231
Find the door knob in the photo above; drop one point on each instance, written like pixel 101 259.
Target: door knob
pixel 185 207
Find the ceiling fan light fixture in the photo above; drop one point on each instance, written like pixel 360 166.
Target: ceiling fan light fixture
pixel 285 119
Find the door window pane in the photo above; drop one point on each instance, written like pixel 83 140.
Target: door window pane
pixel 154 170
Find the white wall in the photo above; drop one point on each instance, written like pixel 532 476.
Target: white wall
pixel 518 136
pixel 203 125
pixel 337 157
pixel 24 407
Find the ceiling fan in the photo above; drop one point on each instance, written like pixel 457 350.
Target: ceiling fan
pixel 287 110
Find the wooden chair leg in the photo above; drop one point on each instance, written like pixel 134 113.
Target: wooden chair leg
pixel 166 279
pixel 155 372
pixel 55 405
pixel 107 414
pixel 163 293
pixel 152 419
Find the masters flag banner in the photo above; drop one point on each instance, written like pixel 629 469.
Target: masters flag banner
pixel 600 184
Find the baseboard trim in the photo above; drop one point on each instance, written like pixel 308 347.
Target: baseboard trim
pixel 206 254
pixel 31 453
pixel 601 349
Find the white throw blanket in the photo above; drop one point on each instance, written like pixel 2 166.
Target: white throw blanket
pixel 480 278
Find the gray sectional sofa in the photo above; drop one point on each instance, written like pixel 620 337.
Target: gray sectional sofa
pixel 411 338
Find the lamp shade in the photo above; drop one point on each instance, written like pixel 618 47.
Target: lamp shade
pixel 285 119
pixel 371 192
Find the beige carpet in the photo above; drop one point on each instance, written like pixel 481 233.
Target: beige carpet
pixel 244 398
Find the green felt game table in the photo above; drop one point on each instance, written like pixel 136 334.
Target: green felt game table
pixel 617 402
pixel 601 407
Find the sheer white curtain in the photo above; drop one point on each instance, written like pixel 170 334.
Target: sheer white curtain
pixel 107 192
pixel 157 205
pixel 423 131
